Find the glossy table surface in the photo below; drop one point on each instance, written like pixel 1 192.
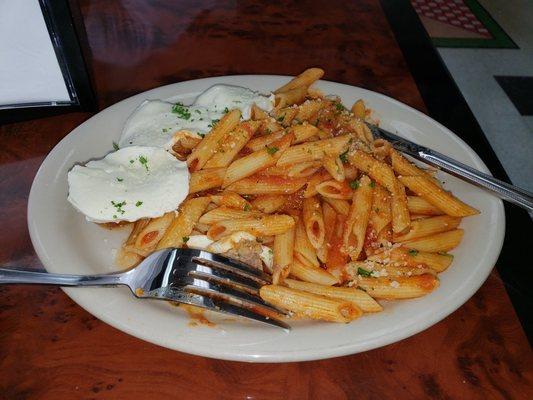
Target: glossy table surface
pixel 50 348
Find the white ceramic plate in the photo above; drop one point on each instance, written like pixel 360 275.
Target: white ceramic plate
pixel 66 243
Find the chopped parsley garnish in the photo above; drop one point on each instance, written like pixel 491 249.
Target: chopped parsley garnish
pixel 115 146
pixel 354 184
pixel 226 110
pixel 247 207
pixel 372 184
pixel 202 135
pixel 120 179
pixel 344 156
pixel 197 111
pixel 376 209
pixel 165 130
pixel 271 150
pixel 132 161
pixel 138 204
pixel 185 239
pixel 115 216
pixel 340 107
pixel 181 110
pixel 363 272
pixel 281 118
pixel 267 131
pixel 119 206
pixel 270 251
pixel 213 123
pixel 413 252
pixel 144 161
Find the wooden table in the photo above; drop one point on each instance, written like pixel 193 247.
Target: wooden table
pixel 50 348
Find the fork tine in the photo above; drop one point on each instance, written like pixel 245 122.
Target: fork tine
pixel 232 265
pixel 246 313
pixel 220 306
pixel 238 298
pixel 222 278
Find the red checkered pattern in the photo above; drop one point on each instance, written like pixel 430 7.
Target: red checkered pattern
pixel 451 12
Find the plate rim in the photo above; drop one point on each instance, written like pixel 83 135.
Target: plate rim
pixel 296 355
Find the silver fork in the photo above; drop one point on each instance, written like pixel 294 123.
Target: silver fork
pixel 187 276
pixel 511 193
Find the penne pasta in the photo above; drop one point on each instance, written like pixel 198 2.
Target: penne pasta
pixel 308 273
pixel 417 205
pixel 334 190
pixel 283 255
pixel 404 257
pixel 263 226
pixel 337 256
pixel 267 185
pixel 358 109
pixel 290 97
pixel 402 166
pixel 152 233
pixel 339 205
pixel 304 132
pixel 233 200
pixel 314 181
pixel 430 191
pixel 306 78
pixel 399 287
pixel 256 161
pixel 269 203
pixel 401 220
pixel 380 215
pixel 330 217
pixel 310 305
pixel 181 226
pixel 285 115
pixel 429 226
pixel 313 151
pixel 232 144
pixel 356 296
pixel 208 146
pixel 309 110
pixel 303 169
pixel 377 170
pixel 260 142
pixel 357 221
pixel 206 179
pixel 224 213
pixel 334 166
pixel 313 220
pixel 445 241
pixel 257 113
pixel 303 249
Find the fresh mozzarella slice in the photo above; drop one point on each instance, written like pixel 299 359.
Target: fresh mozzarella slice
pixel 155 122
pixel 220 98
pixel 132 183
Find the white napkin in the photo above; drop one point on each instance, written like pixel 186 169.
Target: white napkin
pixel 29 71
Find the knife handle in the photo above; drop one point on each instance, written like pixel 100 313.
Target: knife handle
pixel 511 193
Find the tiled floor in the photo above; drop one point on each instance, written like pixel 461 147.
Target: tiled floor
pixel 474 70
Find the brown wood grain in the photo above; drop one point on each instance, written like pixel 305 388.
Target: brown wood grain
pixel 50 348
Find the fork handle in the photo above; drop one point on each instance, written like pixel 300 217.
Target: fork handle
pixel 511 193
pixel 26 276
